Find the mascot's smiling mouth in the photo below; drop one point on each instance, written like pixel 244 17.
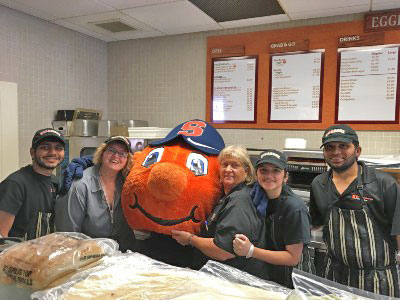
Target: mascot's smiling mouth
pixel 162 221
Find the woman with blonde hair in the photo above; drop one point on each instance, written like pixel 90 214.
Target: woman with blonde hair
pixel 233 213
pixel 93 203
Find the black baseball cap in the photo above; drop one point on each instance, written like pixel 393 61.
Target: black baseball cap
pixel 47 134
pixel 121 139
pixel 339 133
pixel 274 157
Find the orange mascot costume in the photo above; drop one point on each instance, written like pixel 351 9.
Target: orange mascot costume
pixel 174 184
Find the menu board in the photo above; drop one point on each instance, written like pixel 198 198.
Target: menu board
pixel 234 90
pixel 368 82
pixel 296 85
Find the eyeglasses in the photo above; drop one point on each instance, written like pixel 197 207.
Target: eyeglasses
pixel 113 151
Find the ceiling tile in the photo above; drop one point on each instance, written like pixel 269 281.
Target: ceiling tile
pixel 173 15
pixel 254 21
pixel 66 9
pixel 228 10
pixel 89 22
pixel 381 5
pixel 207 27
pixel 329 12
pixel 123 4
pixel 295 6
pixel 83 30
pixel 28 10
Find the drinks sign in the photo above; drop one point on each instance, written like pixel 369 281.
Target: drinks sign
pixel 358 40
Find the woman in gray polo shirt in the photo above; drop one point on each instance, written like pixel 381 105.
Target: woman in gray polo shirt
pixel 93 203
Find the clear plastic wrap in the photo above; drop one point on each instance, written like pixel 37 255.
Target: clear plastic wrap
pixel 136 277
pixel 316 288
pixel 51 259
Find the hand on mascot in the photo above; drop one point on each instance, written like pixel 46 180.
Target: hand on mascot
pixel 74 170
pixel 242 245
pixel 182 237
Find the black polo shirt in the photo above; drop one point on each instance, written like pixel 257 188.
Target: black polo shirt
pixel 380 191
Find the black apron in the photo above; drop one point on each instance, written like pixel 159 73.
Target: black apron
pixel 361 254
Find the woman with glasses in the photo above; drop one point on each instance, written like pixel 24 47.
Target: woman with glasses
pixel 93 203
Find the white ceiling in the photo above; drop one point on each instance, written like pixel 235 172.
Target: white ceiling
pixel 168 17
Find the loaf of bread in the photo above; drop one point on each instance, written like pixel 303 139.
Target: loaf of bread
pixel 37 263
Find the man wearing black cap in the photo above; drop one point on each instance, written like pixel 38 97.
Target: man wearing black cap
pixel 27 196
pixel 359 208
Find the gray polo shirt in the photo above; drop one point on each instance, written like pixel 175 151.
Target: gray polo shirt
pixel 84 208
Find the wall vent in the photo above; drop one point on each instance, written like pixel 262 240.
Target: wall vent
pixel 114 26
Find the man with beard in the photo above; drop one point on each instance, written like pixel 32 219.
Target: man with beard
pixel 359 209
pixel 27 196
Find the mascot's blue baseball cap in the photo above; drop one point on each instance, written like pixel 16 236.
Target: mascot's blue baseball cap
pixel 198 134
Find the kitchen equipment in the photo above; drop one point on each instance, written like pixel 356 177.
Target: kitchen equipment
pixel 105 127
pixel 303 166
pixel 141 136
pixel 63 126
pixel 148 132
pixel 64 114
pixel 82 127
pixel 134 123
pixel 87 114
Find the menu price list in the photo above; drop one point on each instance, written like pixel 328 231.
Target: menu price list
pixel 368 84
pixel 295 87
pixel 234 90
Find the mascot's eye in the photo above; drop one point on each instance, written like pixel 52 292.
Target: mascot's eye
pixel 153 157
pixel 197 163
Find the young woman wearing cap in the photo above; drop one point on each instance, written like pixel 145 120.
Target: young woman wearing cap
pixel 93 203
pixel 234 213
pixel 287 222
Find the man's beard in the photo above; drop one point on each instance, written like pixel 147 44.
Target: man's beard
pixel 346 164
pixel 43 165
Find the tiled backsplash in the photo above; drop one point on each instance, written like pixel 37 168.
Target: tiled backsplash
pixel 54 67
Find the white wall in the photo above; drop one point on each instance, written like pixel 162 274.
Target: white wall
pixel 163 80
pixel 9 144
pixel 54 67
